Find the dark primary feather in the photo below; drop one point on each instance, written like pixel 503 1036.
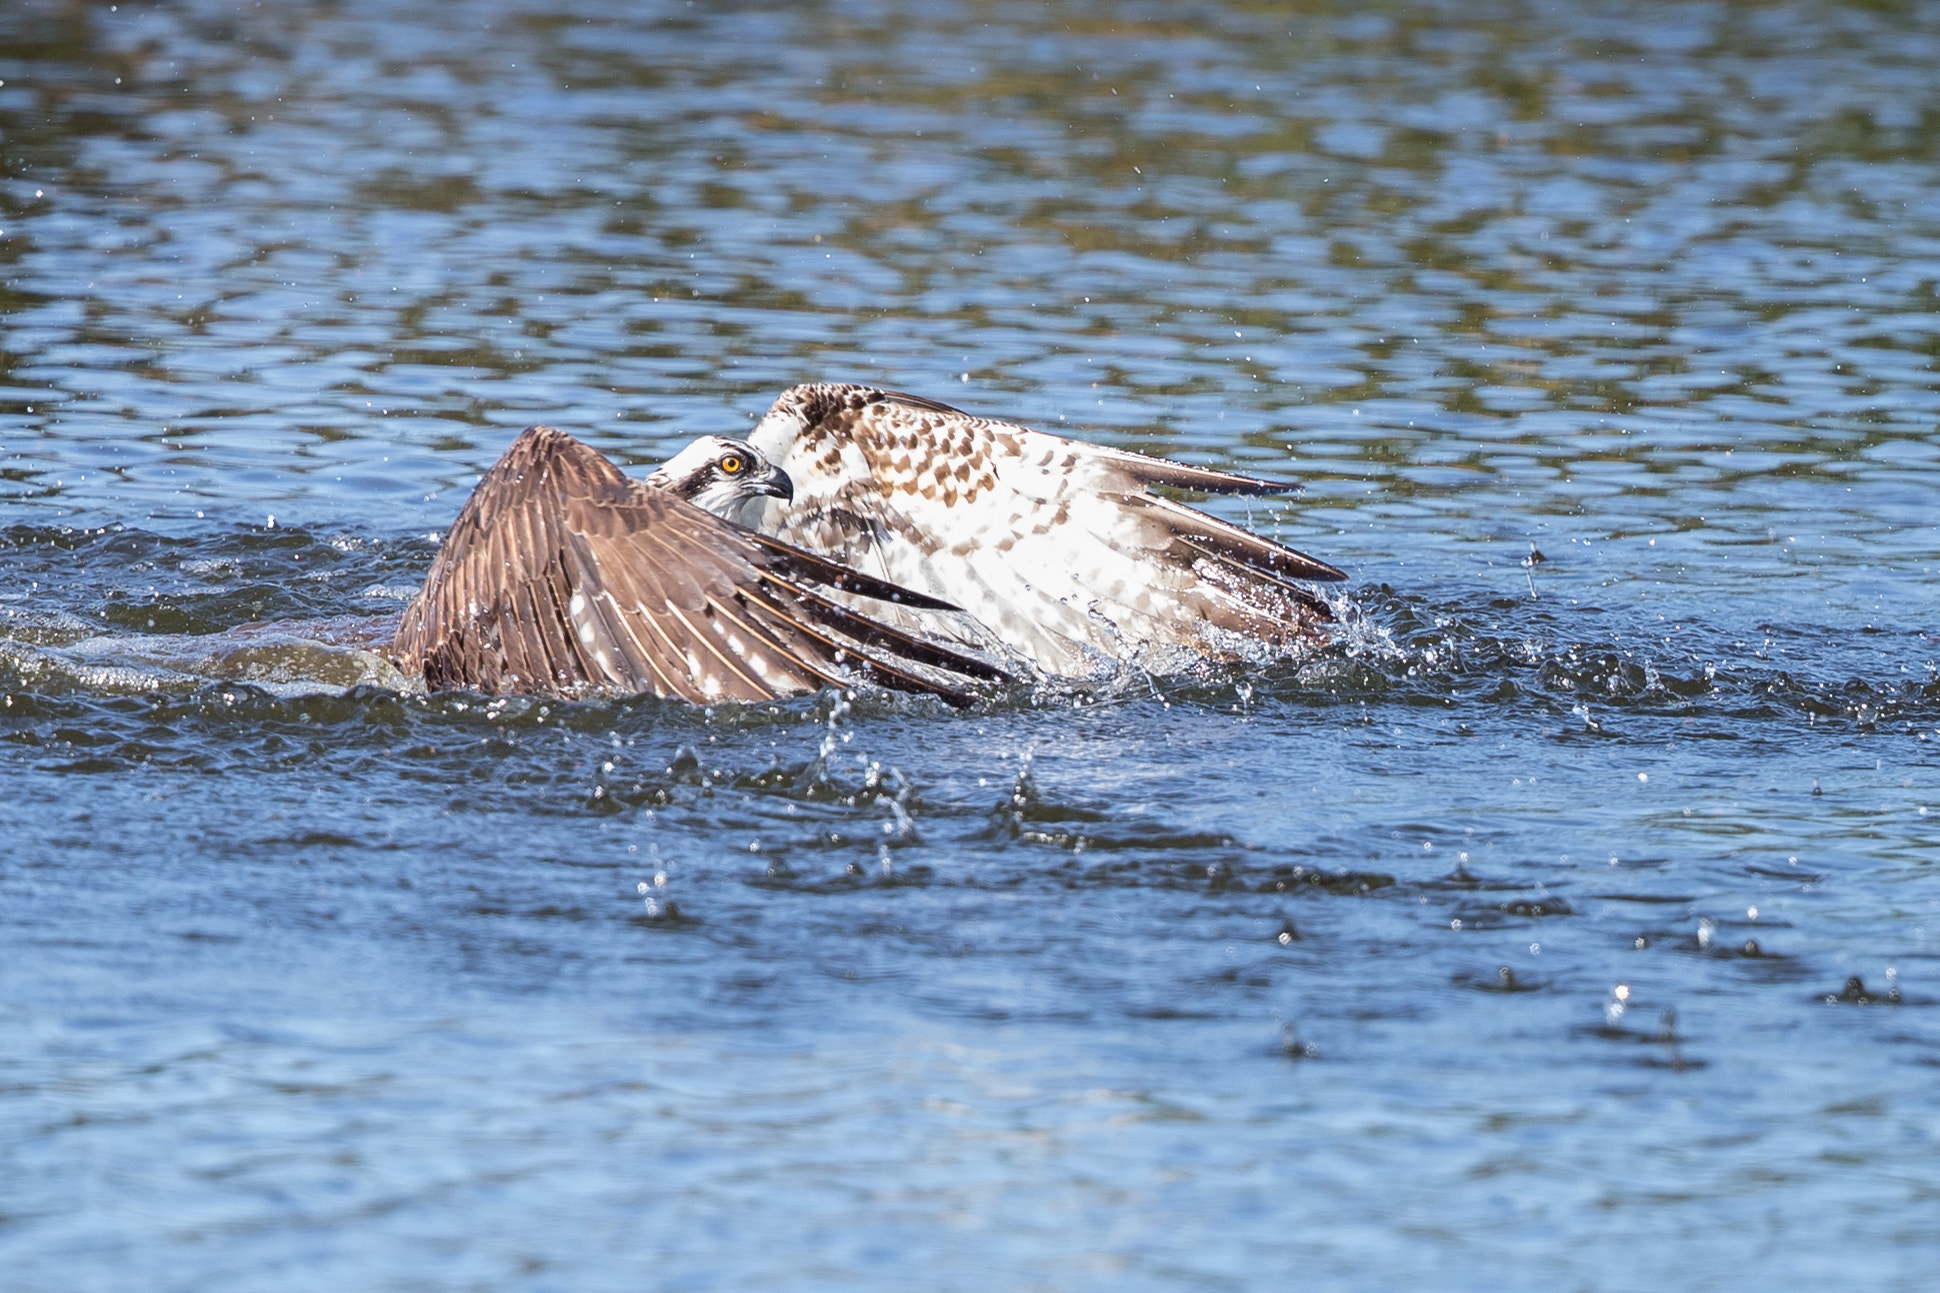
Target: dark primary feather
pixel 1208 536
pixel 821 570
pixel 1199 480
pixel 562 575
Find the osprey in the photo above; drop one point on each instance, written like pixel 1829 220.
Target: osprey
pixel 562 576
pixel 1057 550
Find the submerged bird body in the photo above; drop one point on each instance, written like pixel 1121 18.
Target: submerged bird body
pixel 563 576
pixel 1057 550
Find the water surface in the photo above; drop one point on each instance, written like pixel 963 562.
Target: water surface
pixel 1564 924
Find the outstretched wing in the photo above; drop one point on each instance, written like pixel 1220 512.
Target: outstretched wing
pixel 1057 547
pixel 562 576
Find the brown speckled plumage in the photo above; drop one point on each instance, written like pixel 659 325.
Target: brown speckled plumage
pixel 562 576
pixel 1057 550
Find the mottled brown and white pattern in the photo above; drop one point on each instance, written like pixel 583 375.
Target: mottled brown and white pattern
pixel 562 576
pixel 1057 550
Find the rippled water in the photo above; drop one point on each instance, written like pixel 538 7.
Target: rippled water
pixel 1566 924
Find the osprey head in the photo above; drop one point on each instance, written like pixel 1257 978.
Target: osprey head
pixel 723 476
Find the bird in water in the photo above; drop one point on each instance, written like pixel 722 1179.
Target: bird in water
pixel 1058 551
pixel 563 576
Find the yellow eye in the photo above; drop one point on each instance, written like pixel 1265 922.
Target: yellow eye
pixel 733 464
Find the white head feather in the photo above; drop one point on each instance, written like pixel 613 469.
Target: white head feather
pixel 730 478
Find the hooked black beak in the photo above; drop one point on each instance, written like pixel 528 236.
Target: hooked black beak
pixel 775 484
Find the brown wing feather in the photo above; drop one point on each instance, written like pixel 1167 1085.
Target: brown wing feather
pixel 1211 537
pixel 1200 480
pixel 894 641
pixel 561 575
pixel 808 565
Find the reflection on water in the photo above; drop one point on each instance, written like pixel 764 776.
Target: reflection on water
pixel 1512 930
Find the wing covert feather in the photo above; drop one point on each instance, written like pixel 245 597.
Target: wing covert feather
pixel 1053 545
pixel 561 575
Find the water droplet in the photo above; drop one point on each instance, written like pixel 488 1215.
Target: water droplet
pixel 1619 1002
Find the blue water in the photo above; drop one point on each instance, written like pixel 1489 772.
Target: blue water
pixel 1562 924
